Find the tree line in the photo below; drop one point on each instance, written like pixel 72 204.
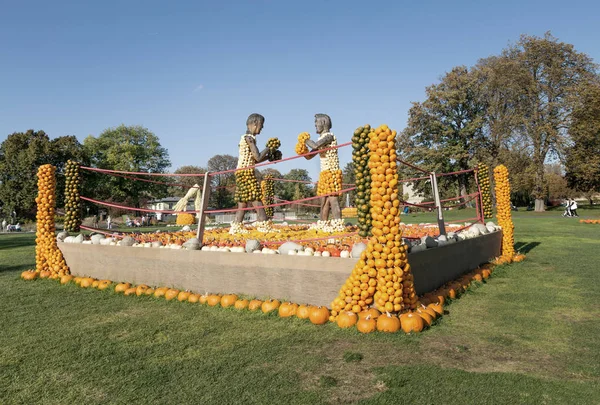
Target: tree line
pixel 124 148
pixel 534 107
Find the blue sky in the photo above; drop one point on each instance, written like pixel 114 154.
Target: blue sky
pixel 192 71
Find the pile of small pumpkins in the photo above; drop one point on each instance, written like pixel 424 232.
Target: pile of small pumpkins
pixel 431 305
pixel 590 221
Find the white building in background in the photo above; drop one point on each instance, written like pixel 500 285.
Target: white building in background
pixel 413 196
pixel 167 204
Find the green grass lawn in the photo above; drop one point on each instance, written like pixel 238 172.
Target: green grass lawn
pixel 529 335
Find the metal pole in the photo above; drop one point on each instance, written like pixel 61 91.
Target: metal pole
pixel 436 196
pixel 203 207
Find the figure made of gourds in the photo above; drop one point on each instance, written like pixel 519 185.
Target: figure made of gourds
pixel 248 191
pixel 330 177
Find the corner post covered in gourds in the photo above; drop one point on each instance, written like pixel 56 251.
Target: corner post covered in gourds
pixel 72 200
pixel 503 208
pixel 48 258
pixel 483 181
pixel 382 276
pixel 360 158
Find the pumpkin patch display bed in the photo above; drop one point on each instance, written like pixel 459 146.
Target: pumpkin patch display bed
pixel 381 275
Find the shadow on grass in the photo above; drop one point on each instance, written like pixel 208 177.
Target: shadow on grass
pixel 526 247
pixel 14 268
pixel 7 242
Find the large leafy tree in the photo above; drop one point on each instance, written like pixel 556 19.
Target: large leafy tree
pixel 128 148
pixel 299 188
pixel 445 131
pixel 20 156
pixel 583 157
pixel 223 185
pixel 185 182
pixel 550 74
pixel 348 177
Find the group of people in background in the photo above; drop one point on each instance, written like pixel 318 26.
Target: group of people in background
pixel 6 227
pixel 570 208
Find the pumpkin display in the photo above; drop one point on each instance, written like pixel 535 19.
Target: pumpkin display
pixel 129 291
pixel 388 323
pixel 149 291
pixel 228 300
pixel 48 257
pixel 437 307
pixel 346 319
pixel 203 298
pixel 45 273
pixel 86 282
pixel 183 296
pixel 360 158
pixel 185 219
pixel 503 208
pixel 73 209
pixel 269 305
pixel 160 292
pixel 193 298
pixel 255 305
pixel 241 304
pixel 382 275
pixel 366 325
pixel 30 275
pixel 318 315
pixel 301 148
pixel 213 300
pixel 430 312
pixel 141 289
pixel 303 311
pixel 519 258
pixel 477 277
pixel 427 317
pixel 483 179
pixel 287 309
pixel 374 313
pixel 66 279
pixel 411 322
pixel 171 294
pixel 121 287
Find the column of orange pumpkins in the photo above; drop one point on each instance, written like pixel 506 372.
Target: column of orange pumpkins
pixel 483 178
pixel 48 258
pixel 503 208
pixel 382 276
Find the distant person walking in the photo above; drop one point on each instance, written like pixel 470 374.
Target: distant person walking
pixel 4 225
pixel 574 208
pixel 567 212
pixel 108 220
pixel 96 219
